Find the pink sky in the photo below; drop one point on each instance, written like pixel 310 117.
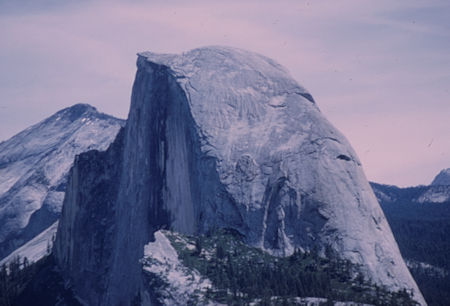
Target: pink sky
pixel 379 70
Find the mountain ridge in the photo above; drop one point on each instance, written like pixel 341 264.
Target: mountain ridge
pixel 434 193
pixel 34 166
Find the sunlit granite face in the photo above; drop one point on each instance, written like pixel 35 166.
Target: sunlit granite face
pixel 220 137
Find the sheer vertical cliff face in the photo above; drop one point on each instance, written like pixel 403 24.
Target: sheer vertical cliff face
pixel 219 137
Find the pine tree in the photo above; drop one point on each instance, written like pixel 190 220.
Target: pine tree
pixel 198 246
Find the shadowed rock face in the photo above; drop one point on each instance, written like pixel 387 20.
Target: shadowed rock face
pixel 219 137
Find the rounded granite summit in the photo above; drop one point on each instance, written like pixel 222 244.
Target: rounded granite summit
pixel 223 68
pixel 219 137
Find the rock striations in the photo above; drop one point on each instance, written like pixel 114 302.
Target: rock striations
pixel 219 137
pixel 34 165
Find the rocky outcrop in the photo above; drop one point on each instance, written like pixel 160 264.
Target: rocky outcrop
pixel 34 166
pixel 436 194
pixel 442 179
pixel 439 190
pixel 219 137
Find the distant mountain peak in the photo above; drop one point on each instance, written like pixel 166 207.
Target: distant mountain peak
pixel 443 178
pixel 77 111
pixel 34 165
pixel 80 108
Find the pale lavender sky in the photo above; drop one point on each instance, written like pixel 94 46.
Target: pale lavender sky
pixel 379 70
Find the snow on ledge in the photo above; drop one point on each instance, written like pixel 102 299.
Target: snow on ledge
pixel 161 258
pixel 36 248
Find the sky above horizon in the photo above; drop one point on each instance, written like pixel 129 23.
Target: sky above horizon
pixel 378 70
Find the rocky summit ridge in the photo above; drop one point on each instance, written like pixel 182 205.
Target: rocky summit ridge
pixel 219 137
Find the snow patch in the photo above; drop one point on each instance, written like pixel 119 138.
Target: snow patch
pixel 36 248
pixel 184 284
